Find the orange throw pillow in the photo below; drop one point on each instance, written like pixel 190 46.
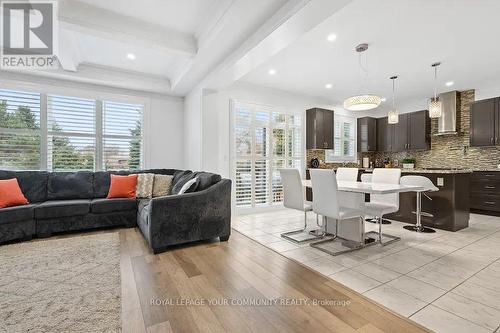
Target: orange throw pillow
pixel 122 186
pixel 11 194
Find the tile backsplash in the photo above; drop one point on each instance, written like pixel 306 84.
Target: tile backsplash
pixel 448 151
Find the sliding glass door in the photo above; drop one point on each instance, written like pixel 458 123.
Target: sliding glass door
pixel 265 139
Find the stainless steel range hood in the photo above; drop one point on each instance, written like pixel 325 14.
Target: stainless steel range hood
pixel 447 123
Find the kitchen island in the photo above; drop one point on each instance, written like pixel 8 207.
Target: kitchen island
pixel 449 208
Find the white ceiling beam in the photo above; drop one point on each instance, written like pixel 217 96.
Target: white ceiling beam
pixel 294 19
pixel 81 17
pixel 233 22
pixel 211 26
pixel 107 76
pixel 69 52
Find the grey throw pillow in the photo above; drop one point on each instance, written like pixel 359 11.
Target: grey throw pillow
pixel 189 186
pixel 179 181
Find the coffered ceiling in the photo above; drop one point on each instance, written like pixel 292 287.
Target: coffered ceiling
pixel 163 46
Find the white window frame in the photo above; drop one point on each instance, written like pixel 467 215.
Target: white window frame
pixel 354 123
pixel 270 158
pixel 99 97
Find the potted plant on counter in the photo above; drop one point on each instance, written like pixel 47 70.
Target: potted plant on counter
pixel 409 163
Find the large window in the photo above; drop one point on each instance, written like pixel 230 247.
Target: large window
pixel 71 139
pixel 59 133
pixel 20 133
pixel 122 136
pixel 265 139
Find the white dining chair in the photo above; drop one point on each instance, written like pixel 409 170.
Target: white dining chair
pixel 293 192
pixel 349 200
pixel 347 174
pixel 366 177
pixel 427 186
pixel 326 203
pixel 383 204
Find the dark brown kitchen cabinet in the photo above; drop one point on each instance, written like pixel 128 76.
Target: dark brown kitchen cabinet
pixel 385 134
pixel 367 134
pixel 419 127
pixel 319 129
pixel 485 192
pixel 412 132
pixel 485 123
pixel 401 133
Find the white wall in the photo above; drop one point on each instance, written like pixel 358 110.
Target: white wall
pixel 216 131
pixel 193 130
pixel 163 121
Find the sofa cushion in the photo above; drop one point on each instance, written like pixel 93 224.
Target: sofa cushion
pixel 206 179
pixel 122 186
pixel 16 214
pixel 179 174
pixel 180 179
pixel 145 183
pixel 62 208
pixel 11 194
pixel 102 180
pixel 70 185
pixel 189 186
pixel 162 185
pixel 103 206
pixel 32 183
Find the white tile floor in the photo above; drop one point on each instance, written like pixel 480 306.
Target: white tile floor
pixel 446 281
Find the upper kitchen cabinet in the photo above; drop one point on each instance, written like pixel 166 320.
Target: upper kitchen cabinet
pixel 412 132
pixel 400 142
pixel 485 123
pixel 385 134
pixel 419 130
pixel 367 134
pixel 319 129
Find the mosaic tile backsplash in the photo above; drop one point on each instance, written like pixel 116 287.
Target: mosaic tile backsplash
pixel 449 151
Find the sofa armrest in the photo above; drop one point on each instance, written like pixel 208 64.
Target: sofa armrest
pixel 189 217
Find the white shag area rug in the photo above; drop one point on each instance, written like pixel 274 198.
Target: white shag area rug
pixel 61 285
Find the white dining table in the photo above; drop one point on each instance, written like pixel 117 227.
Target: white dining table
pixel 370 188
pixel 358 236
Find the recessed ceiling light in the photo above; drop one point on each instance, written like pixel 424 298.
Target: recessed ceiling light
pixel 450 83
pixel 272 72
pixel 130 56
pixel 383 99
pixel 331 37
pixel 328 86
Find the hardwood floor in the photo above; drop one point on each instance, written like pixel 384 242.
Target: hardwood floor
pixel 236 270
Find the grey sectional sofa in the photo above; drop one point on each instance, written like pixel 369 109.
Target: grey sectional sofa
pixel 76 201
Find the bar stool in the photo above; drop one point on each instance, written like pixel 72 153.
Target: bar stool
pixel 293 193
pixel 428 186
